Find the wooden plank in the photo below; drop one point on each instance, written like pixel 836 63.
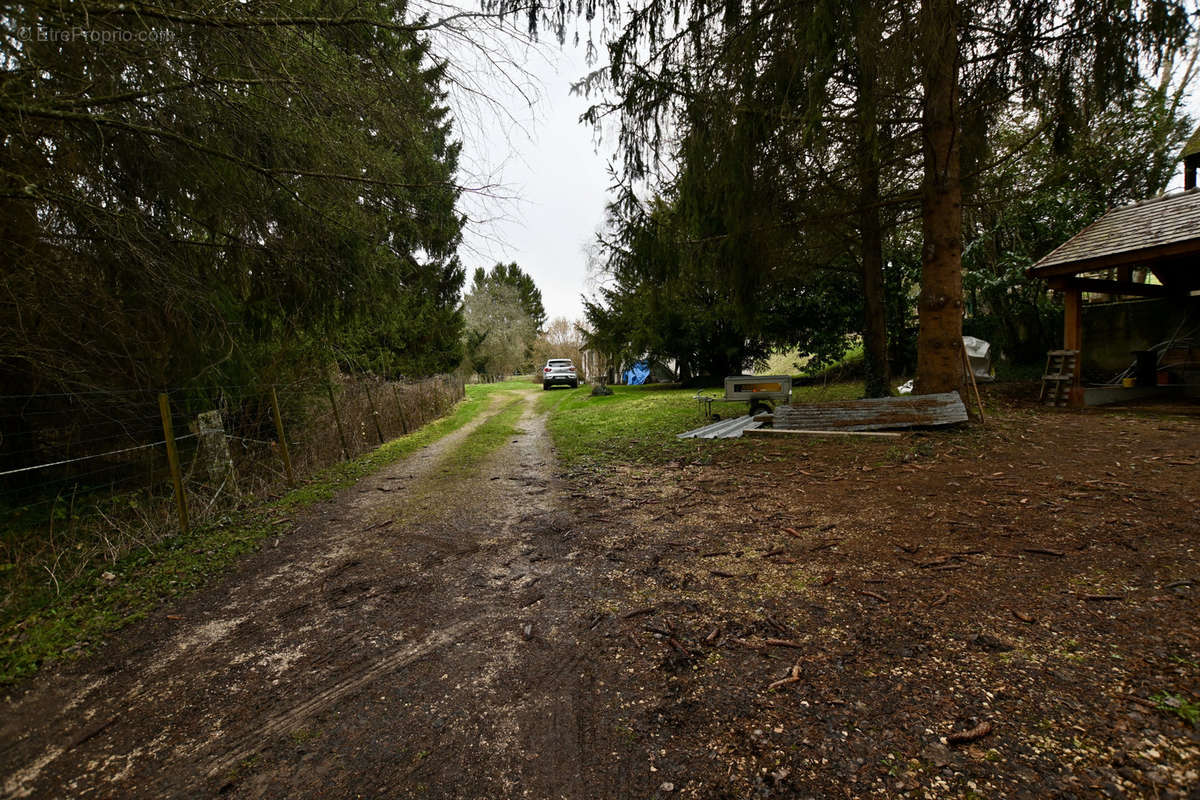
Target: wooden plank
pixel 769 432
pixel 1073 340
pixel 1102 286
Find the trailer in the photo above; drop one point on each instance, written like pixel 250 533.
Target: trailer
pixel 762 392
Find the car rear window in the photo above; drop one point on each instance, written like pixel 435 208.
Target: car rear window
pixel 560 362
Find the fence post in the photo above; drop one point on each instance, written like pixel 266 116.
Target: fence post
pixel 283 447
pixel 338 419
pixel 164 410
pixel 374 412
pixel 400 408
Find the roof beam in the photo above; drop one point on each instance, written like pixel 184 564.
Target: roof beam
pixel 1142 257
pixel 1103 286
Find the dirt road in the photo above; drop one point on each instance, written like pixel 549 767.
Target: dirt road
pixel 422 634
pixel 1001 611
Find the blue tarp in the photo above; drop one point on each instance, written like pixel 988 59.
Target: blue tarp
pixel 637 374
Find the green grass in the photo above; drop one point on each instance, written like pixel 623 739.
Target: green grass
pixel 1178 705
pixel 47 622
pixel 499 429
pixel 639 423
pixel 339 476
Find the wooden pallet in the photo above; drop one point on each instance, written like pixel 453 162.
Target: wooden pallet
pixel 1059 378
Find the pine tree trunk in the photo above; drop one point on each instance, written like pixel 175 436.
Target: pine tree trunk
pixel 940 306
pixel 875 349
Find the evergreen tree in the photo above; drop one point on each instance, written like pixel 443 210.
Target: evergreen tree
pixel 233 192
pixel 512 275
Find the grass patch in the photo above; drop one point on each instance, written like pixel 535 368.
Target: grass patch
pixel 339 476
pixel 46 622
pixel 489 437
pixel 1180 706
pixel 640 423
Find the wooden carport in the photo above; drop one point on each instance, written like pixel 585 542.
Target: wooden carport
pixel 1148 249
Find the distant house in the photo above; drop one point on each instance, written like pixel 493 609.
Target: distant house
pixel 1130 283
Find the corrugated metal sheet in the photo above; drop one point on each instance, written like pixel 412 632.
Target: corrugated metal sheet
pixel 880 413
pixel 1168 219
pixel 723 429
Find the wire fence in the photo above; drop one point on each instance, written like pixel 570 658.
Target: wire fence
pixel 94 474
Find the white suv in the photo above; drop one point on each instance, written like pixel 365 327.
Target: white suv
pixel 559 370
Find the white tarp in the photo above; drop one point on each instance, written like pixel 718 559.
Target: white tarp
pixel 979 353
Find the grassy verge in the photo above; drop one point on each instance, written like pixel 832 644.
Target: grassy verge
pixel 46 622
pixel 639 423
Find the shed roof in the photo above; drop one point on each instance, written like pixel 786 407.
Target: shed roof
pixel 1164 227
pixel 1192 147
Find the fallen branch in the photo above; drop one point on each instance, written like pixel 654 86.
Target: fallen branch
pixel 793 677
pixel 942 599
pixel 640 612
pixel 716 573
pixel 963 737
pixel 878 597
pixel 1021 615
pixel 675 643
pixel 1102 596
pixel 1045 551
pixel 784 643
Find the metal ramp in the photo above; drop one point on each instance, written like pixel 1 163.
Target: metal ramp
pixel 723 429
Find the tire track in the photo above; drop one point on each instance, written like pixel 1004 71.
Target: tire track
pixel 144 696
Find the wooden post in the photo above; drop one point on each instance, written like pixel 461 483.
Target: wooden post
pixel 164 410
pixel 974 386
pixel 338 419
pixel 283 445
pixel 400 408
pixel 374 413
pixel 1073 337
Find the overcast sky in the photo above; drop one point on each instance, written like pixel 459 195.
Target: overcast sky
pixel 550 170
pixel 550 164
